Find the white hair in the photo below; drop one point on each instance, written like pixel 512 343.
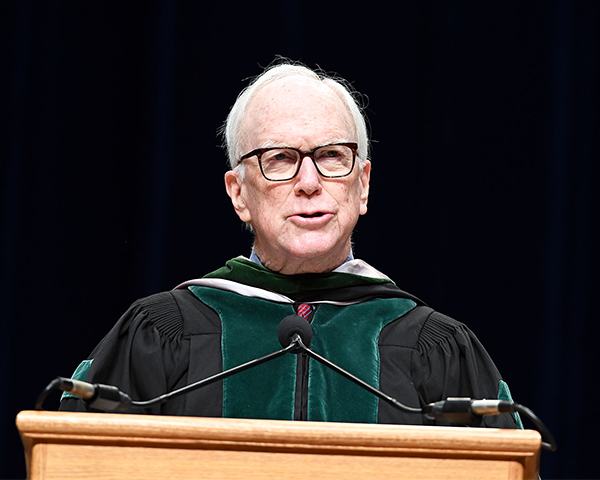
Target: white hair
pixel 350 97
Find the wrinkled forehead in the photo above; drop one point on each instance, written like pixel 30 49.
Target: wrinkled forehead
pixel 302 105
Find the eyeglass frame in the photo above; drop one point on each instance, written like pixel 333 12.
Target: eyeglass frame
pixel 260 151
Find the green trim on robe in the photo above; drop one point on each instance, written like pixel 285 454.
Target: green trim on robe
pixel 79 374
pixel 249 327
pixel 249 273
pixel 504 394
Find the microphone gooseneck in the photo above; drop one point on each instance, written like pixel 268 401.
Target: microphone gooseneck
pixel 295 334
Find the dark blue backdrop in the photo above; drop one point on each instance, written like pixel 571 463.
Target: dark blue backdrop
pixel 485 122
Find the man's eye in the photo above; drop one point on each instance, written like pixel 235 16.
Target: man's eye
pixel 281 156
pixel 331 153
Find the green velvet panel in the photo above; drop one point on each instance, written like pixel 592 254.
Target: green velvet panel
pixel 267 391
pixel 348 336
pixel 250 331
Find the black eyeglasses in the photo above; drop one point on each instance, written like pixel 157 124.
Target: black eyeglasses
pixel 279 164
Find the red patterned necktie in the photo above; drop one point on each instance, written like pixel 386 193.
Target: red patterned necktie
pixel 304 310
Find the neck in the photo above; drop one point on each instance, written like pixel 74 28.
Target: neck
pixel 296 266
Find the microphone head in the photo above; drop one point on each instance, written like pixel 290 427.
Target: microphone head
pixel 294 324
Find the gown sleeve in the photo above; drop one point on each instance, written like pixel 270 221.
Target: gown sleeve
pixel 140 355
pixel 451 362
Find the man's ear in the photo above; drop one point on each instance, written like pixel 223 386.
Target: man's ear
pixel 236 190
pixel 364 178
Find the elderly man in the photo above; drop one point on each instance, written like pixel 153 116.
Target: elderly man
pixel 297 144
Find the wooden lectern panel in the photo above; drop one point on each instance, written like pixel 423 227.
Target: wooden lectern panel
pixel 115 446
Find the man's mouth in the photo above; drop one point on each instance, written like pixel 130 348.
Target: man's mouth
pixel 312 215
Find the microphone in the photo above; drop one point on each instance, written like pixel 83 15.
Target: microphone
pixel 464 411
pixel 291 326
pixel 106 398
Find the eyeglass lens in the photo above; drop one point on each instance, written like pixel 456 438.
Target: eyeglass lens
pixel 331 160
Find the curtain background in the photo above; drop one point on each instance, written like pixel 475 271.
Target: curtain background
pixel 484 117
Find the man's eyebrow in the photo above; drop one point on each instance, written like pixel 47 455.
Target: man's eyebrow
pixel 273 144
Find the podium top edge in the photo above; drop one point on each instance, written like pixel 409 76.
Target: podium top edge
pixel 73 426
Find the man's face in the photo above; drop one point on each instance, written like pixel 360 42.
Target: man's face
pixel 304 224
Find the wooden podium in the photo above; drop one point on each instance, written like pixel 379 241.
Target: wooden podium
pixel 113 446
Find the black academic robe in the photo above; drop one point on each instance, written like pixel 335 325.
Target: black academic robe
pixel 371 328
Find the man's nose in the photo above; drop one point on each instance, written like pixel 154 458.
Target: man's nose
pixel 308 179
